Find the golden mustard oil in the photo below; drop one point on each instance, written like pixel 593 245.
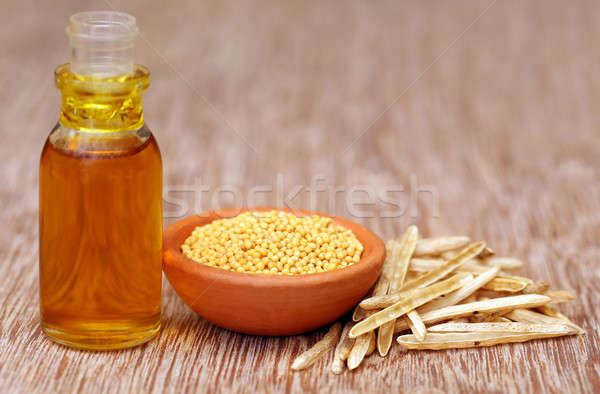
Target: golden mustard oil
pixel 101 196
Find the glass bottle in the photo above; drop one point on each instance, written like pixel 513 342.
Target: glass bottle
pixel 101 195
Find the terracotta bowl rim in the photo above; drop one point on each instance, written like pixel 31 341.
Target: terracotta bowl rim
pixel 174 258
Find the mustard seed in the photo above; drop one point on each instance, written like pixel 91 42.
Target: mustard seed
pixel 273 242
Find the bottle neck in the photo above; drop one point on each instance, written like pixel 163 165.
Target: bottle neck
pixel 102 104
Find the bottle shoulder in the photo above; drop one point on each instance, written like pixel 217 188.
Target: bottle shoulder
pixel 74 142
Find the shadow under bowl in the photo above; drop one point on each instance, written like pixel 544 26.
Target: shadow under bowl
pixel 261 304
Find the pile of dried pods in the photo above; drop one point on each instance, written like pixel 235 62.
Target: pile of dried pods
pixel 446 280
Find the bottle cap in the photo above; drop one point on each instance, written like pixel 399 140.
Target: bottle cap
pixel 102 43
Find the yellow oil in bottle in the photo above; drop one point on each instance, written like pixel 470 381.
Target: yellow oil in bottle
pixel 100 213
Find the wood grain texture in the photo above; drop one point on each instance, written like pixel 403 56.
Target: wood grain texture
pixel 495 110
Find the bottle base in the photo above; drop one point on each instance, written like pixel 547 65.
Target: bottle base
pixel 100 340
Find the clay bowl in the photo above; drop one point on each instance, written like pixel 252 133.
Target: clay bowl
pixel 261 304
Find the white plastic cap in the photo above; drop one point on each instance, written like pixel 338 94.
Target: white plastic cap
pixel 102 43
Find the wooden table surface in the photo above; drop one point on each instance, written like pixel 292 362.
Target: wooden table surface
pixel 482 116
